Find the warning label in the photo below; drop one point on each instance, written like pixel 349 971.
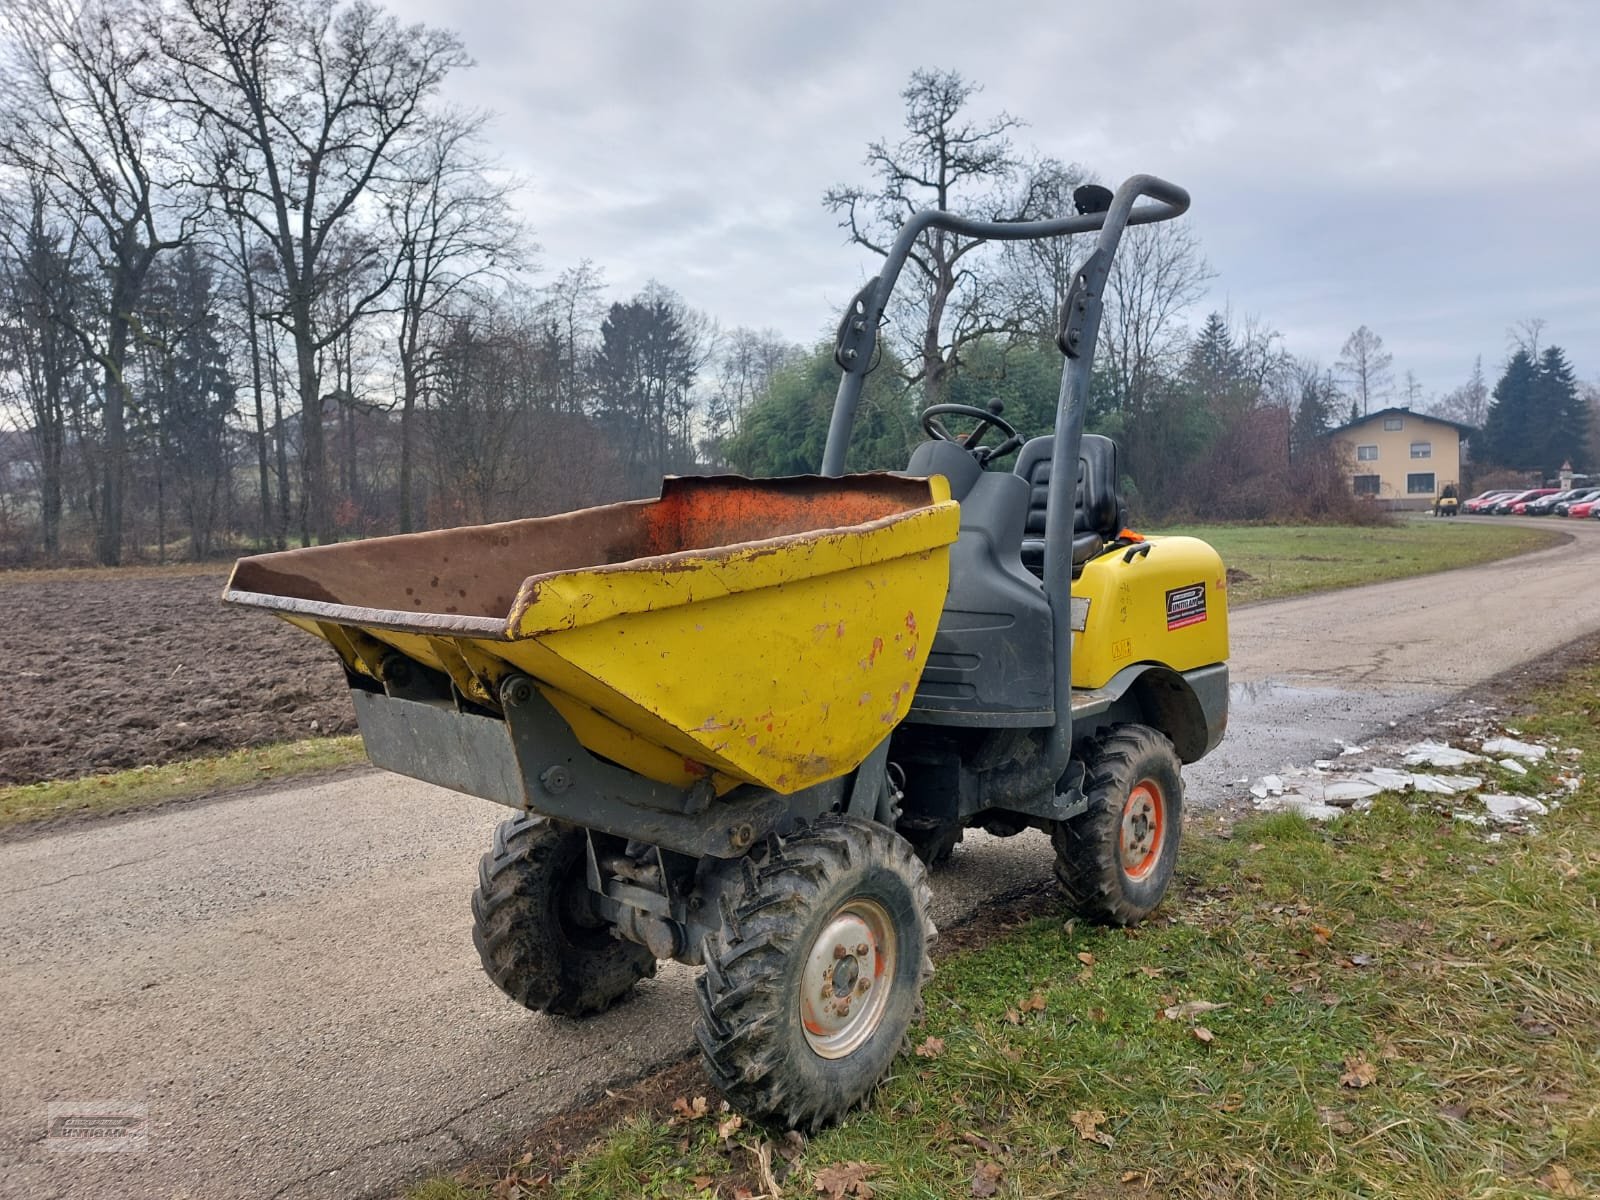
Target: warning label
pixel 1186 606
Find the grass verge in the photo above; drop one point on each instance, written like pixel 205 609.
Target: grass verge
pixel 1287 560
pixel 1391 1005
pixel 143 787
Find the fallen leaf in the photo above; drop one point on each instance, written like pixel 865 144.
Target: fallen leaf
pixel 931 1047
pixel 1152 972
pixel 1528 1021
pixel 1088 1126
pixel 1253 847
pixel 1086 958
pixel 1035 1002
pixel 1560 1181
pixel 689 1110
pixel 1455 1112
pixel 1322 933
pixel 1361 960
pixel 727 1128
pixel 1358 1072
pixel 793 1145
pixel 1336 1121
pixel 979 1142
pixel 844 1180
pixel 740 1192
pixel 1097 1015
pixel 986 1178
pixel 1190 1008
pixel 701 1181
pixel 1202 1034
pixel 1013 1016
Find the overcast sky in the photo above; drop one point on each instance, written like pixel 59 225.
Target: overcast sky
pixel 1428 169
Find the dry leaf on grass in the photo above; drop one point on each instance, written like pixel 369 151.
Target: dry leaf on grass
pixel 1358 1072
pixel 986 1178
pixel 729 1126
pixel 931 1047
pixel 1086 958
pixel 1560 1181
pixel 1013 1016
pixel 1190 1008
pixel 1202 1034
pixel 1035 1002
pixel 1336 1121
pixel 978 1142
pixel 688 1110
pixel 1322 933
pixel 844 1181
pixel 1088 1126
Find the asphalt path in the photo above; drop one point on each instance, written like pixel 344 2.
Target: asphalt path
pixel 284 982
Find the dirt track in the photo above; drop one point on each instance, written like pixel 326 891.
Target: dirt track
pixel 286 980
pixel 160 670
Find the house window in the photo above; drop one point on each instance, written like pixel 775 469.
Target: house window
pixel 1393 423
pixel 1421 449
pixel 1420 485
pixel 1366 485
pixel 1366 454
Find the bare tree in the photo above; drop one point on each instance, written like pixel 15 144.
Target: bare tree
pixel 1363 366
pixel 1036 273
pixel 571 311
pixel 1469 403
pixel 454 228
pixel 79 121
pixel 1158 273
pixel 950 162
pixel 748 361
pixel 1525 335
pixel 304 111
pixel 40 286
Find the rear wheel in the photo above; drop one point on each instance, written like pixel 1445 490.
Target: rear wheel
pixel 1116 860
pixel 816 974
pixel 536 931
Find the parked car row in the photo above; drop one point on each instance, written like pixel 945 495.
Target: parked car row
pixel 1537 502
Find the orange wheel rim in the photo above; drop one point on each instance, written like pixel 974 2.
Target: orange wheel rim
pixel 1144 819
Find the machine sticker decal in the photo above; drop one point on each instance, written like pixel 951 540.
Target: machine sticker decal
pixel 1080 613
pixel 1186 606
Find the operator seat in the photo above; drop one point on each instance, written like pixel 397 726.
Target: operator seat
pixel 1099 514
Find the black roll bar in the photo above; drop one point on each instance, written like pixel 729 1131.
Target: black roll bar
pixel 1080 329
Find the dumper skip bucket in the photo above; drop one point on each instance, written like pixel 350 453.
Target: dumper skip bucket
pixel 769 632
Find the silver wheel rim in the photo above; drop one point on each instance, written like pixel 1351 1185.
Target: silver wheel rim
pixel 848 977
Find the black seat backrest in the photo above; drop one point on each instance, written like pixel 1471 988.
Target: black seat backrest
pixel 1099 514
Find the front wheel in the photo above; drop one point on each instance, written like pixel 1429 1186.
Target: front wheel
pixel 1116 859
pixel 816 973
pixel 536 930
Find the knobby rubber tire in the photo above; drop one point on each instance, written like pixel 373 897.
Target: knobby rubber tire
pixel 750 1032
pixel 1088 847
pixel 530 947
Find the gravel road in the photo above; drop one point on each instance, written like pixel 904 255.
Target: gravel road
pixel 284 981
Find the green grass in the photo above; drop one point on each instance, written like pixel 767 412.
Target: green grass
pixel 1287 560
pixel 1455 977
pixel 142 787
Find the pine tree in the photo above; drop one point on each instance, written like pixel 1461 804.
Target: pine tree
pixel 1563 417
pixel 1312 415
pixel 1508 429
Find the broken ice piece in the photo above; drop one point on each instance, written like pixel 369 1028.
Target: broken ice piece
pixel 1387 779
pixel 1512 808
pixel 1437 754
pixel 1445 785
pixel 1347 791
pixel 1505 745
pixel 1513 766
pixel 1308 808
pixel 1323 764
pixel 1346 749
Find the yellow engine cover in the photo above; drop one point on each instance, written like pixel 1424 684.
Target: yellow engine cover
pixel 1167 604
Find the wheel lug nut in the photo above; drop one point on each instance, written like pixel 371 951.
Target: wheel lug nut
pixel 861 950
pixel 863 984
pixel 839 951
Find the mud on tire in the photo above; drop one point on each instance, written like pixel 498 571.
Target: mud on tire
pixel 774 1038
pixel 1116 860
pixel 538 941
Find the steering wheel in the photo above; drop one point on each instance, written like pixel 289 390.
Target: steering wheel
pixel 934 428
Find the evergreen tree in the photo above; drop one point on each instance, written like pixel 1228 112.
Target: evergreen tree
pixel 1565 415
pixel 1313 414
pixel 1536 418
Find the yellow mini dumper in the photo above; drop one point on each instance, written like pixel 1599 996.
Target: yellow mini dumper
pixel 738 719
